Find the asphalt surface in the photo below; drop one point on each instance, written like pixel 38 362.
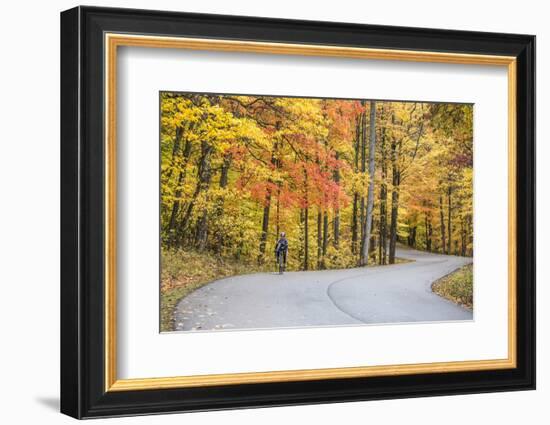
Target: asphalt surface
pixel 379 294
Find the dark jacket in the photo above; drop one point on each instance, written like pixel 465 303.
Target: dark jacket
pixel 281 246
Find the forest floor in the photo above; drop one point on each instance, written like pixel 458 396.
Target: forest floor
pixel 381 294
pixel 457 286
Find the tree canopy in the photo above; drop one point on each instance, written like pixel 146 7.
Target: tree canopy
pixel 344 179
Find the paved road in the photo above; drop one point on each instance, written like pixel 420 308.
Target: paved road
pixel 380 294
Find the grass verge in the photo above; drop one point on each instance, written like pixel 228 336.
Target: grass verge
pixel 399 260
pixel 184 271
pixel 457 287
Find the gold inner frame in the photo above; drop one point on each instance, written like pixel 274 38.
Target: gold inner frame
pixel 113 41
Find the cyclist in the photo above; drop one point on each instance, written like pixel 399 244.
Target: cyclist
pixel 281 248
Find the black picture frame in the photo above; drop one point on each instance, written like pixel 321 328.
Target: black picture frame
pixel 83 392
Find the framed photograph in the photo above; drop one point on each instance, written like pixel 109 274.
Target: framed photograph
pixel 261 212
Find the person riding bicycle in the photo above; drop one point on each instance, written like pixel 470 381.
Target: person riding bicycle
pixel 281 248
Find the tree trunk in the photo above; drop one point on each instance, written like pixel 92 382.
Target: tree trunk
pixel 383 242
pixel 267 209
pixel 224 176
pixel 394 201
pixel 175 210
pixel 171 230
pixel 471 235
pixel 372 244
pixel 205 175
pixel 336 228
pixel 277 215
pixel 265 225
pixel 396 181
pixel 412 241
pixel 430 234
pixel 203 182
pixel 363 242
pixel 370 195
pixel 306 221
pixel 325 239
pixel 354 225
pixel 301 244
pixel 306 238
pixel 363 172
pixel 319 240
pixel 449 227
pixel 393 223
pixel 354 221
pixel 442 218
pixel 462 238
pixel 175 149
pixel 428 226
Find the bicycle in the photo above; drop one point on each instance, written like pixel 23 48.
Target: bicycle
pixel 281 261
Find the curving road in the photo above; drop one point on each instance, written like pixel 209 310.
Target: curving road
pixel 380 294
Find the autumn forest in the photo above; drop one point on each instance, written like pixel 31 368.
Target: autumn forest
pixel 347 180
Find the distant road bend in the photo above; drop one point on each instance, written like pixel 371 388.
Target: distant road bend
pixel 379 294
